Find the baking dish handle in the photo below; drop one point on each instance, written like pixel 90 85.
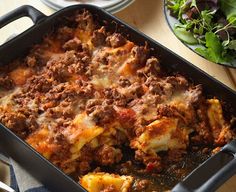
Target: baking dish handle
pixel 25 10
pixel 211 174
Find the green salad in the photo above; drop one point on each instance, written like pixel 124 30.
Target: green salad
pixel 208 23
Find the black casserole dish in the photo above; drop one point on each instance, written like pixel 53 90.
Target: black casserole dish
pixel 45 171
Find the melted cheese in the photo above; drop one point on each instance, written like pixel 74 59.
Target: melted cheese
pixel 215 113
pixel 96 182
pixel 101 82
pixel 20 75
pixel 220 129
pixel 82 131
pixel 6 102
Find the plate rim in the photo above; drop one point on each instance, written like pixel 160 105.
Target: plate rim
pixel 58 6
pixel 113 9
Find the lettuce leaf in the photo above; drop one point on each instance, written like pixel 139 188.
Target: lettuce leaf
pixel 228 7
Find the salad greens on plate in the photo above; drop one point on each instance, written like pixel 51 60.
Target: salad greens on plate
pixel 211 24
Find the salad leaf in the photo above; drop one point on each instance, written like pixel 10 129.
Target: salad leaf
pixel 193 3
pixel 232 45
pixel 232 20
pixel 213 50
pixel 176 7
pixel 201 23
pixel 207 5
pixel 228 7
pixel 185 36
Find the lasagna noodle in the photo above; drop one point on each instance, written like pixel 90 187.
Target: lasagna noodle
pixel 96 182
pixel 160 135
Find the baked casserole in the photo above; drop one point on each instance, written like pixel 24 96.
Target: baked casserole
pixel 85 95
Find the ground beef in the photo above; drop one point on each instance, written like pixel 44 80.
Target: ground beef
pixel 83 167
pixel 155 87
pixel 99 37
pixel 127 118
pixel 159 87
pixel 115 40
pixel 125 168
pixel 194 95
pixel 65 33
pixel 31 61
pixel 21 122
pixel 58 67
pixel 140 185
pixel 152 67
pixel 140 55
pixel 85 159
pixel 63 147
pixel 124 82
pixel 177 81
pixel 62 92
pixel 91 104
pixel 73 44
pixel 78 68
pixel 135 90
pixel 72 62
pixel 13 120
pixel 110 188
pixel 152 161
pixel 6 83
pixel 115 96
pixel 186 114
pixel 101 58
pixel 85 21
pixel 87 154
pixel 107 155
pixel 103 113
pixel 63 110
pixel 38 83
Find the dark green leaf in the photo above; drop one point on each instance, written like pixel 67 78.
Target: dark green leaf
pixel 228 7
pixel 214 48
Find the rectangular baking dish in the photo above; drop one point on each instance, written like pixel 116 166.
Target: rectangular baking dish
pixel 38 166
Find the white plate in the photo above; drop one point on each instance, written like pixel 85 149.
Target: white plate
pixel 120 6
pixel 59 4
pixel 115 6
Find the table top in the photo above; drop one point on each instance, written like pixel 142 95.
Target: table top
pixel 148 17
